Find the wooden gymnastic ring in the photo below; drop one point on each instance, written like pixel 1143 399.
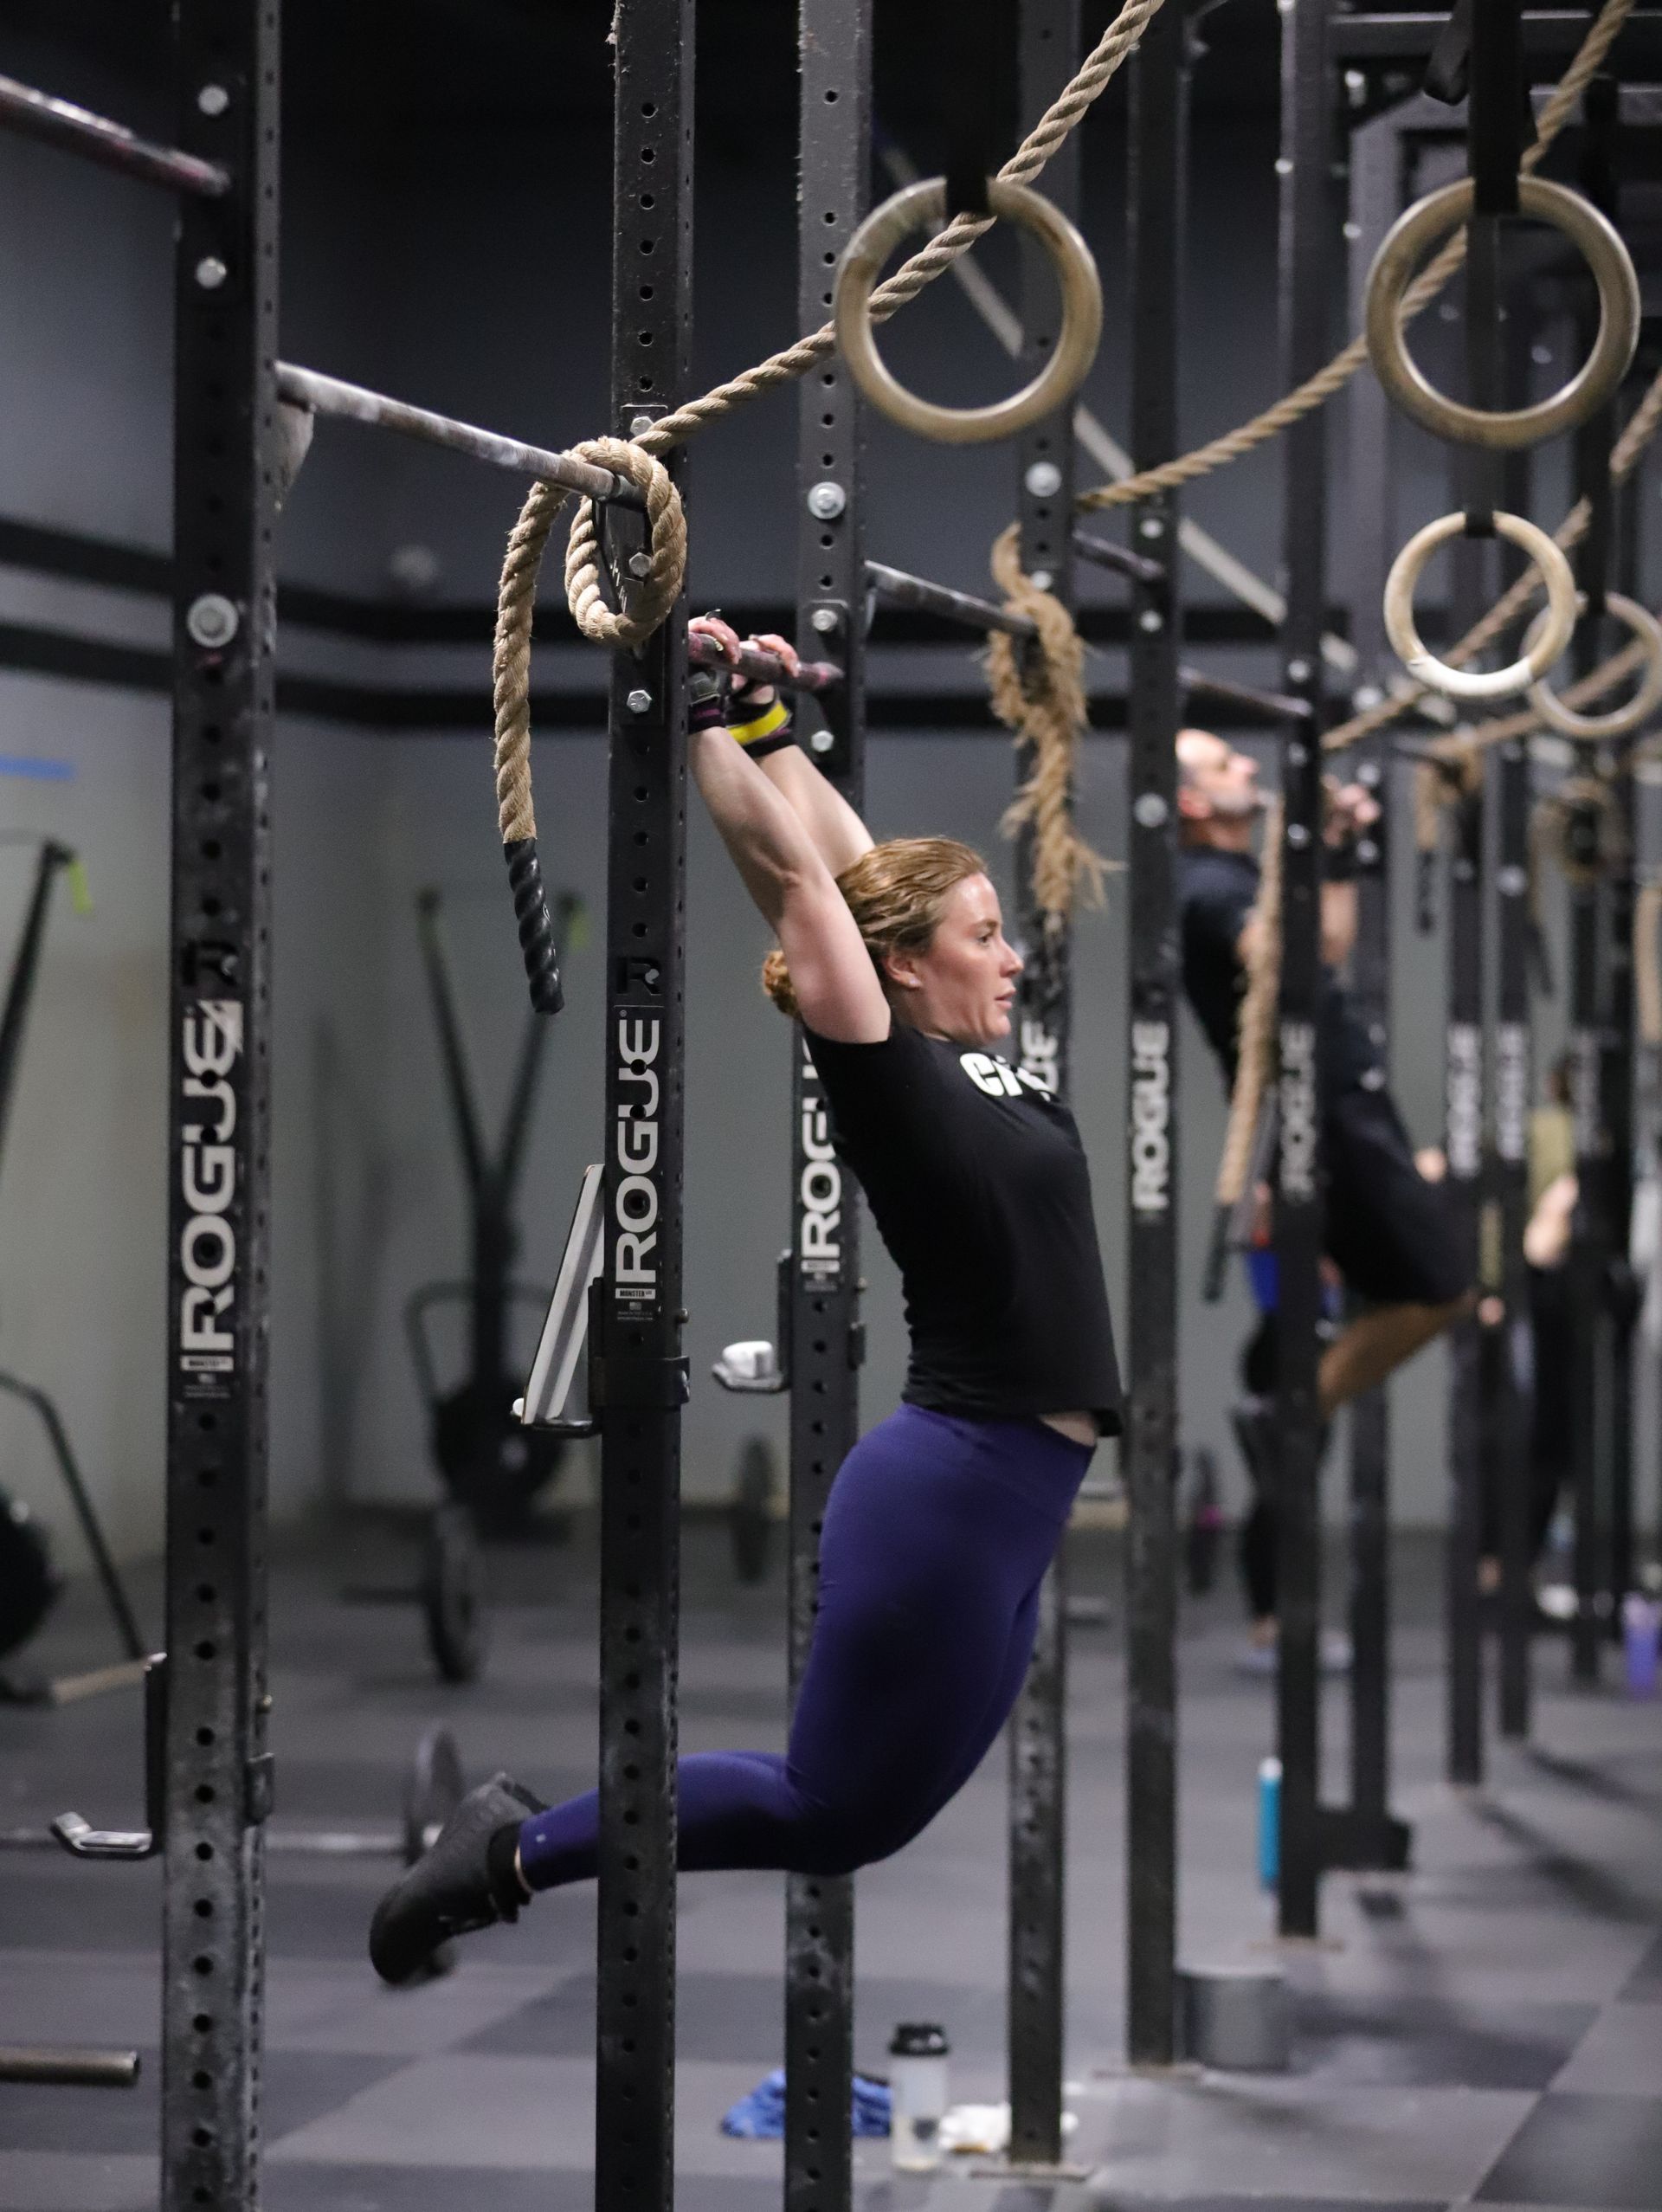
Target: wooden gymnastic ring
pixel 1593 383
pixel 1620 719
pixel 922 206
pixel 1558 616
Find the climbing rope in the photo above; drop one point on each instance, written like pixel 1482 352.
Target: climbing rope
pixel 666 559
pixel 1256 1026
pixel 1647 963
pixel 1038 691
pixel 1317 390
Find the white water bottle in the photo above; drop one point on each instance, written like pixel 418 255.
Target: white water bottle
pixel 917 2055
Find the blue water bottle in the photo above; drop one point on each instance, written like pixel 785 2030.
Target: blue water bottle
pixel 1269 1823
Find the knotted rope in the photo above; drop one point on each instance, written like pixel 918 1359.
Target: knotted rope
pixel 1038 691
pixel 1256 1025
pixel 517 594
pixel 1647 963
pixel 637 459
pixel 1317 390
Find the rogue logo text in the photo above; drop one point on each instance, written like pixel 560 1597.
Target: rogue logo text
pixel 212 1045
pixel 635 1187
pixel 1151 1117
pixel 819 1220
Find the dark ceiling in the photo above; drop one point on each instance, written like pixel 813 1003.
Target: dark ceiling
pixel 384 62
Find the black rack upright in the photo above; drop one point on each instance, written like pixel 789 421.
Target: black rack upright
pixel 219 1062
pixel 1156 220
pixel 823 1297
pixel 639 1371
pixel 1306 231
pixel 1047 45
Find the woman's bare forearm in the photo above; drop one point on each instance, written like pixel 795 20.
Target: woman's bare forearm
pixel 839 834
pixel 771 846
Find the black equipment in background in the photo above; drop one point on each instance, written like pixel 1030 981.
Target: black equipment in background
pixel 491 1462
pixel 29 1583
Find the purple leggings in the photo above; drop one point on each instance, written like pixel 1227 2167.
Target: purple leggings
pixel 937 1535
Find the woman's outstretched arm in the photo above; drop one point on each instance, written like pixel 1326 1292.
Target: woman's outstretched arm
pixel 838 832
pixel 785 873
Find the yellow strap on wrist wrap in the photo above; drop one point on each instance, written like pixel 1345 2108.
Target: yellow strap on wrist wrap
pixel 770 719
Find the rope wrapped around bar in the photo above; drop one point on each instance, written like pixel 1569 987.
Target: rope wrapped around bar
pixel 1256 1026
pixel 1647 963
pixel 1552 831
pixel 1038 691
pixel 1317 390
pixel 516 596
pixel 1451 769
pixel 637 459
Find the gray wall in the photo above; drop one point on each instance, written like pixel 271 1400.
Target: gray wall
pixel 473 277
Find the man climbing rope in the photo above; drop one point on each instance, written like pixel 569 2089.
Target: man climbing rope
pixel 1389 1237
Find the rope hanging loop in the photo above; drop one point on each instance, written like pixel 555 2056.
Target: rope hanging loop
pixel 1503 430
pixel 1040 693
pixel 923 206
pixel 1620 720
pixel 1558 617
pixel 646 600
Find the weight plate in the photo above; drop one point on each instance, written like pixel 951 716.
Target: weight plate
pixel 29 1583
pixel 751 1513
pixel 453 1595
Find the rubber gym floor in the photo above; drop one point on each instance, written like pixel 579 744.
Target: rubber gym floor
pixel 1487 2029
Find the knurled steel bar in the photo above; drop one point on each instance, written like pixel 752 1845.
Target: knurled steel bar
pixel 640 1374
pixel 1156 194
pixel 822 1293
pixel 1508 1413
pixel 60 123
pixel 1306 226
pixel 1273 706
pixel 345 403
pixel 898 588
pixel 216 1771
pixel 1371 537
pixel 766 668
pixel 1047 46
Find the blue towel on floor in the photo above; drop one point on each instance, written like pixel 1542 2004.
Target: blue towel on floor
pixel 761 2115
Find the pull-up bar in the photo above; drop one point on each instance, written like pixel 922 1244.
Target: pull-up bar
pixel 1274 706
pixel 762 667
pixel 903 590
pixel 355 403
pixel 60 123
pixel 1102 553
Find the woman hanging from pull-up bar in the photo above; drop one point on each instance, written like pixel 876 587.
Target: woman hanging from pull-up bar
pixel 943 1519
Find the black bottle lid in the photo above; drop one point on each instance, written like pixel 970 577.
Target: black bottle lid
pixel 918 2039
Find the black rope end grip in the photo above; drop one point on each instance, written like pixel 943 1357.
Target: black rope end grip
pixel 536 924
pixel 1217 1256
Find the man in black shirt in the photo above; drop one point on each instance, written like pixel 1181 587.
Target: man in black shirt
pixel 1389 1234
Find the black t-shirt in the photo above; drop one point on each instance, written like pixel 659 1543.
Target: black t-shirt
pixel 1216 891
pixel 979 1187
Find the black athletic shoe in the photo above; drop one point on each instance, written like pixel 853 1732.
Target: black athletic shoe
pixel 452 1889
